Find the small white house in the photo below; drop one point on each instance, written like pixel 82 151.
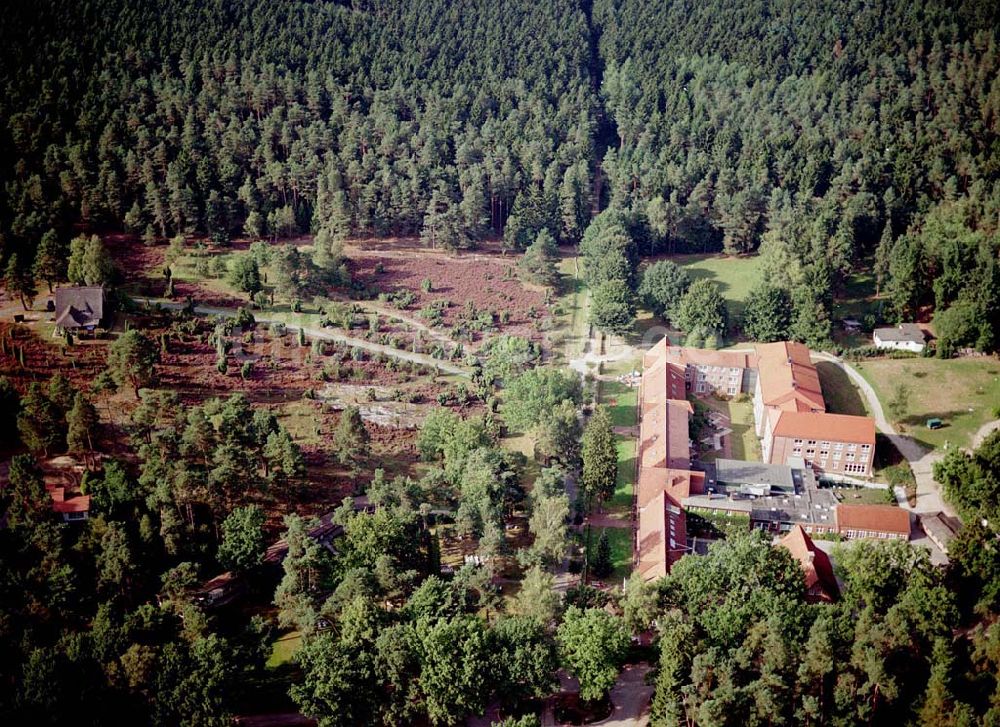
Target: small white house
pixel 904 337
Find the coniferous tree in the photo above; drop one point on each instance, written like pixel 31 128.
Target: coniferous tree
pixel 600 456
pixel 539 260
pixel 50 259
pixel 19 282
pixel 81 425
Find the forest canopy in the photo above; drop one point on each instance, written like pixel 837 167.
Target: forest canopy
pixel 828 138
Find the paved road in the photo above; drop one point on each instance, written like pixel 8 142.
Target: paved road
pixel 929 499
pixel 630 697
pixel 326 335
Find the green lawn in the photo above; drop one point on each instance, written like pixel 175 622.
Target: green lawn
pixel 572 323
pixel 745 444
pixel 961 392
pixel 735 276
pixel 620 540
pixel 284 649
pixel 625 481
pixel 621 401
pixel 858 298
pixel 841 395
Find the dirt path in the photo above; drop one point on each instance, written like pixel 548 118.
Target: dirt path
pixel 929 498
pixel 386 312
pixel 326 335
pixel 984 431
pixel 607 520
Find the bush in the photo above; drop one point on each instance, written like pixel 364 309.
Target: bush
pixel 244 319
pixel 403 299
pixel 426 285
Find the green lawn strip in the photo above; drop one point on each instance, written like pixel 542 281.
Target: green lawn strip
pixel 573 301
pixel 621 401
pixel 625 480
pixel 961 392
pixel 284 649
pixel 745 444
pixel 620 540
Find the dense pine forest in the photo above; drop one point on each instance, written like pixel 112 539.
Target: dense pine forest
pixel 827 138
pixel 825 141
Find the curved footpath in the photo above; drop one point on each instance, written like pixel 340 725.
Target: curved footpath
pixel 929 499
pixel 325 335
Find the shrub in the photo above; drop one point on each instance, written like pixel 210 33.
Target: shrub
pixel 244 318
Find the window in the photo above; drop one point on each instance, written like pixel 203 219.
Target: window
pixel 701 387
pixel 812 442
pixel 825 445
pixel 836 455
pixel 850 456
pixel 866 447
pixel 838 446
pixel 797 441
pixel 852 448
pixel 797 452
pixel 810 452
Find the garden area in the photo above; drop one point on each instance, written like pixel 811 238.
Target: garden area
pixel 620 546
pixel 735 276
pixel 963 393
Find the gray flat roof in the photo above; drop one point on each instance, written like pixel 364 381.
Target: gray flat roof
pixel 814 506
pixel 904 332
pixel 740 472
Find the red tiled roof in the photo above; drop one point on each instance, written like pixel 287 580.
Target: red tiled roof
pixel 663 436
pixel 656 353
pixel 707 357
pixel 820 581
pixel 660 382
pixel 651 546
pixel 787 377
pixel 678 483
pixel 80 503
pixel 873 518
pixel 835 427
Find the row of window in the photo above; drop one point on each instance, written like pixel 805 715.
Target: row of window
pixel 873 534
pixel 837 446
pixel 797 452
pixel 701 389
